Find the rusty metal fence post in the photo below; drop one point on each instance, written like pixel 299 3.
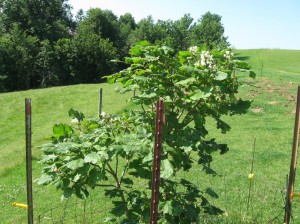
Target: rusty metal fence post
pixel 291 180
pixel 156 161
pixel 28 160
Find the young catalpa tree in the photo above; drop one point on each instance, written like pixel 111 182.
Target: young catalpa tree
pixel 195 84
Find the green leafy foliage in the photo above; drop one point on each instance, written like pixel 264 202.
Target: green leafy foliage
pixel 195 84
pixel 86 155
pixel 116 151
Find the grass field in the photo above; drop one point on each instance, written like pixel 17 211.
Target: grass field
pixel 269 122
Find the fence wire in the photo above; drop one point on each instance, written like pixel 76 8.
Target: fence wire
pixel 91 210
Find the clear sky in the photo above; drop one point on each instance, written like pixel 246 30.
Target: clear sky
pixel 248 23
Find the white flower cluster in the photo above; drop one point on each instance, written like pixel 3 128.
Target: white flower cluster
pixel 228 55
pixel 74 120
pixel 194 49
pixel 206 60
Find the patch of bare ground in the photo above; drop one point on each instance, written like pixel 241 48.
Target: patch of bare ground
pixel 274 90
pixel 273 102
pixel 257 110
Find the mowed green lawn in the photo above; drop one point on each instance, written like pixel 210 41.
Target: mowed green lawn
pixel 269 121
pixel 49 106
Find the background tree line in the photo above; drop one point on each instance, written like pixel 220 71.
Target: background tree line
pixel 42 44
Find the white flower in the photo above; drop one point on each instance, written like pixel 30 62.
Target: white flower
pixel 74 120
pixel 228 55
pixel 207 59
pixel 103 114
pixel 197 64
pixel 193 49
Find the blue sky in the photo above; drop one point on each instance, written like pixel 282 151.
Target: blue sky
pixel 248 23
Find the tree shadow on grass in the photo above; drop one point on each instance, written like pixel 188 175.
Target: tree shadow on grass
pixel 241 107
pixel 240 57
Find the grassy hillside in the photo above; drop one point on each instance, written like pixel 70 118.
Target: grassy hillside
pixel 270 121
pixel 49 106
pixel 273 63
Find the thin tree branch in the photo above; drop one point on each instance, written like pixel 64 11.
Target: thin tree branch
pixel 117 164
pixel 118 186
pixel 184 123
pixel 112 172
pixel 125 168
pixel 105 185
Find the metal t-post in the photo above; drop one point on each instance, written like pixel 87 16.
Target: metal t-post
pixel 293 165
pixel 100 101
pixel 28 160
pixel 156 161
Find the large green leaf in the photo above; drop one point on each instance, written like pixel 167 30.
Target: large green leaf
pixel 220 76
pixel 148 158
pixel 252 74
pixel 81 192
pixel 48 158
pixel 94 176
pixel 185 82
pixel 148 95
pixel 103 156
pixel 62 130
pixel 119 209
pixel 44 179
pixel 67 193
pixel 77 177
pixel 127 181
pixel 75 164
pixel 111 79
pixel 49 148
pixel 201 94
pixel 92 158
pixel 76 114
pixel 178 209
pixel 64 148
pixel 168 208
pixel 167 169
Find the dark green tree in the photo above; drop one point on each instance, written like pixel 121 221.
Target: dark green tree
pixel 29 30
pixel 79 17
pixel 92 58
pixel 210 32
pixel 126 26
pixel 18 53
pixel 127 19
pixel 104 23
pixel 145 31
pixel 47 20
pixel 65 54
pixel 176 34
pixel 94 45
pixel 182 32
